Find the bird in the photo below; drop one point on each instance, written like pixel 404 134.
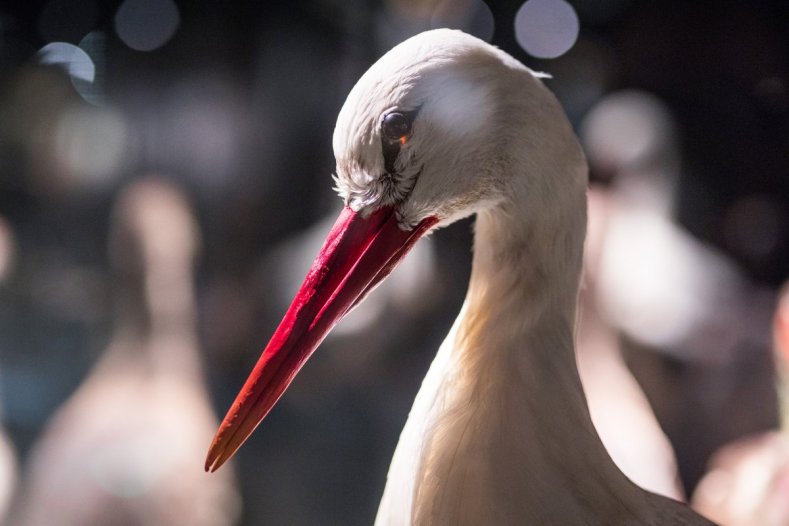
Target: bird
pixel 9 469
pixel 441 127
pixel 118 451
pixel 695 329
pixel 628 136
pixel 9 473
pixel 620 410
pixel 748 480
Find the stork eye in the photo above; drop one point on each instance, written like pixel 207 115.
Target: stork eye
pixel 396 127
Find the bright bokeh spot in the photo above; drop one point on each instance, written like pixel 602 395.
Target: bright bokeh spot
pixel 145 25
pixel 75 61
pixel 92 92
pixel 546 28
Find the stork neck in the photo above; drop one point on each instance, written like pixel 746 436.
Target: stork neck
pixel 524 283
pixel 156 322
pixel 520 313
pixel 515 341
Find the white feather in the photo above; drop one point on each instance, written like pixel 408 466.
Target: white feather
pixel 499 432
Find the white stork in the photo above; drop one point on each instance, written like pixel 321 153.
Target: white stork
pixel 441 127
pixel 118 450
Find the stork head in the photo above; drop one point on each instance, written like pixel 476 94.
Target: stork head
pixel 440 127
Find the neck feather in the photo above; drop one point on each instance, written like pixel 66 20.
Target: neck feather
pixel 516 340
pixel 501 421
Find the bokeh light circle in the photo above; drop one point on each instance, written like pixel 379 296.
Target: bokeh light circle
pixel 546 28
pixel 145 25
pixel 73 59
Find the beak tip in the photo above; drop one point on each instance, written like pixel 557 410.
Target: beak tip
pixel 215 458
pixel 209 463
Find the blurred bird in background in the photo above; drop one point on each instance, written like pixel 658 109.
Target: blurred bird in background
pixel 685 314
pixel 121 449
pixel 667 297
pixel 8 458
pixel 622 134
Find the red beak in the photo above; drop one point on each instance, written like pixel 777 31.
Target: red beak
pixel 357 254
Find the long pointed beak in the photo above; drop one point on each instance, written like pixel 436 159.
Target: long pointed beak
pixel 358 253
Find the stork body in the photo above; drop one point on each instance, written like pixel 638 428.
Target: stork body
pixel 442 127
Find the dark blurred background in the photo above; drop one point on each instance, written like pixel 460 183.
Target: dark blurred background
pixel 235 102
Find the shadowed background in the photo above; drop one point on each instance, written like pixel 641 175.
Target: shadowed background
pixel 683 109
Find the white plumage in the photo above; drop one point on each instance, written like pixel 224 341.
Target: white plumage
pixel 120 450
pixel 442 127
pixel 499 432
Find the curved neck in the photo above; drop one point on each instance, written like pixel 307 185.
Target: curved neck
pixel 503 400
pixel 520 312
pixel 156 321
pixel 515 344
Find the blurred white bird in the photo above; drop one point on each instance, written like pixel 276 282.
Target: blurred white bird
pixel 657 283
pixel 620 410
pixel 628 135
pixel 670 298
pixel 9 474
pixel 8 462
pixel 441 127
pixel 121 449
